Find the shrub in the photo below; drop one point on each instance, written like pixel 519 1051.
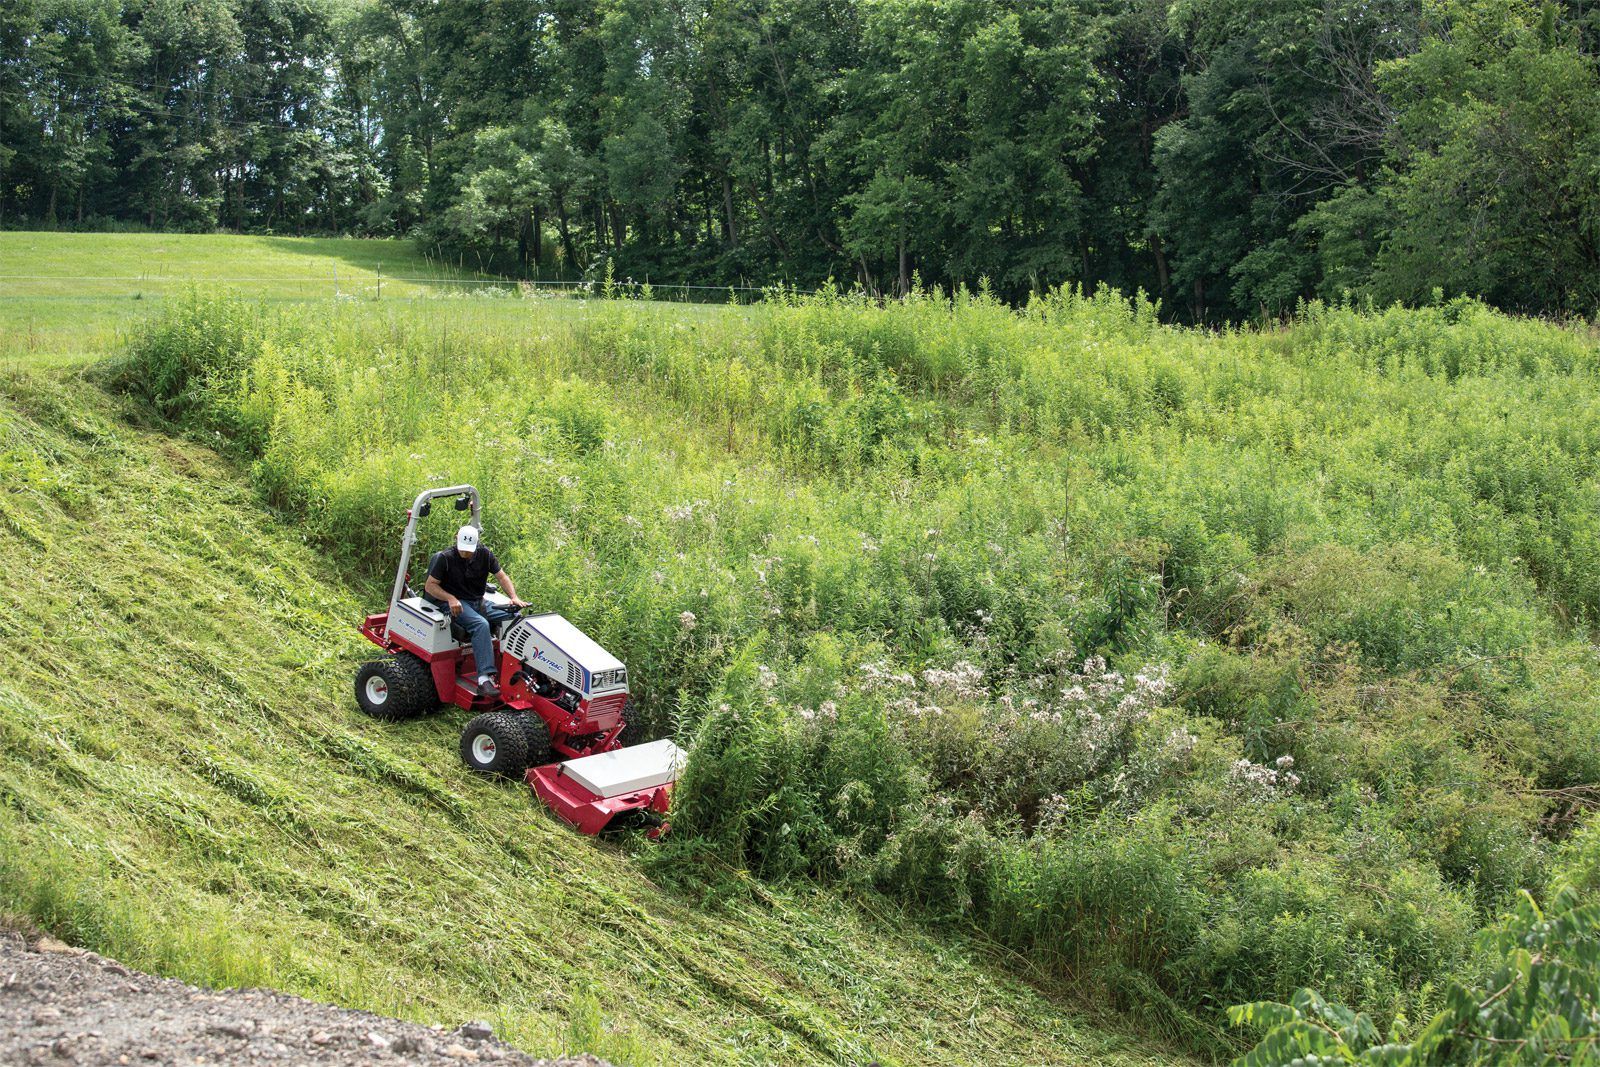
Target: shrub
pixel 1534 999
pixel 1197 666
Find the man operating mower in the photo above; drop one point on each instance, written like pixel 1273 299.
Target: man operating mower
pixel 457 579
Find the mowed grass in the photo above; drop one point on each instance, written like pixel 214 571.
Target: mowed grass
pixel 128 264
pixel 867 559
pixel 186 785
pixel 69 298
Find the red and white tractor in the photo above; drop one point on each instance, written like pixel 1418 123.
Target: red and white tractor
pixel 561 694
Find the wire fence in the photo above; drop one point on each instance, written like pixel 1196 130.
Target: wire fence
pixel 374 286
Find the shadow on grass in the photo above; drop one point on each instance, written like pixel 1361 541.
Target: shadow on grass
pixel 397 258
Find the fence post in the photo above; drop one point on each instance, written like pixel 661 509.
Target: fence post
pixel 336 281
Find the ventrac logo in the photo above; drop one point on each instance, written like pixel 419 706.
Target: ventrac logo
pixel 536 655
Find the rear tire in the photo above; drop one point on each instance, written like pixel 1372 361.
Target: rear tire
pixel 395 688
pixel 419 679
pixel 496 743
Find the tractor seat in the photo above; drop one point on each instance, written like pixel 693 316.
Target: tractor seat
pixel 458 633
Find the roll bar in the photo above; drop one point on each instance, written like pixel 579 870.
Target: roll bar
pixel 408 540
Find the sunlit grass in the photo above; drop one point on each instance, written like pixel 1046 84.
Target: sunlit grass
pixel 66 298
pixel 1360 550
pixel 186 785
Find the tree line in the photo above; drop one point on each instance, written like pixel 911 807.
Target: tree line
pixel 1228 157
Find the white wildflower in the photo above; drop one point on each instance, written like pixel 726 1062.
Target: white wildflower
pixel 682 512
pixel 1180 742
pixel 1261 782
pixel 963 681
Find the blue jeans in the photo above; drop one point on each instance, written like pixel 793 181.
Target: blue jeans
pixel 479 620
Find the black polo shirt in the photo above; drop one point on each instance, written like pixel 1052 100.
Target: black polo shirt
pixel 464 578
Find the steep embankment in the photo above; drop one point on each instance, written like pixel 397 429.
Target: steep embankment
pixel 185 785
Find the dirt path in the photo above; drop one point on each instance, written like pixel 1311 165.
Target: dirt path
pixel 60 1005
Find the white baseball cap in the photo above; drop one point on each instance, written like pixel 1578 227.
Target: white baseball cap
pixel 467 538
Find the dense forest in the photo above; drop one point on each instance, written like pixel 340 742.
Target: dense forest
pixel 1228 157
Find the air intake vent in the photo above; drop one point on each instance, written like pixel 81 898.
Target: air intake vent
pixel 574 677
pixel 516 640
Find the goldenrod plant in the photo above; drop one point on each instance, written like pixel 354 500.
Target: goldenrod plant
pixel 1194 667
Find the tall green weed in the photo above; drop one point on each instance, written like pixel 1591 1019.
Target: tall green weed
pixel 1199 666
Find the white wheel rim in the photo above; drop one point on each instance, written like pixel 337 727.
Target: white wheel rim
pixel 377 690
pixel 483 749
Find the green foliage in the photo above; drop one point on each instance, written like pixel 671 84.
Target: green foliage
pixel 1535 997
pixel 192 364
pixel 1198 667
pixel 787 794
pixel 1505 146
pixel 1230 157
pixel 185 785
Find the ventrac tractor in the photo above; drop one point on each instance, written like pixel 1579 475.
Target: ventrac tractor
pixel 561 695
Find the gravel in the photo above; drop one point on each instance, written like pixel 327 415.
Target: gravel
pixel 61 1005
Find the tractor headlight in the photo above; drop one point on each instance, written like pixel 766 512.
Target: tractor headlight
pixel 608 679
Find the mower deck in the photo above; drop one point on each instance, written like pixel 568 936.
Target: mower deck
pixel 589 792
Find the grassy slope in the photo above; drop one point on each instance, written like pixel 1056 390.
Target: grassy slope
pixel 66 297
pixel 185 784
pixel 117 264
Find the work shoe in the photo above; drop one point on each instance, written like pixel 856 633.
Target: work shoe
pixel 486 687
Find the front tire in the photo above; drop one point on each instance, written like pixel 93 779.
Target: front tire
pixel 496 743
pixel 395 688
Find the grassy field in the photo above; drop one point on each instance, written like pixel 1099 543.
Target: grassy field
pixel 145 264
pixel 1194 668
pixel 70 298
pixel 187 786
pixel 1182 668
